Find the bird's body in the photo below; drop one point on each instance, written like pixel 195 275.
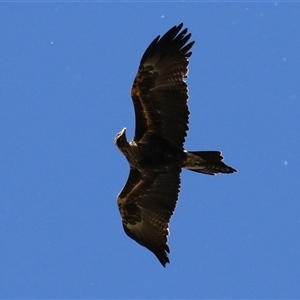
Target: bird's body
pixel 156 155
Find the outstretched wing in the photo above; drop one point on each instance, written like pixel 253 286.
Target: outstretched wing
pixel 159 92
pixel 146 205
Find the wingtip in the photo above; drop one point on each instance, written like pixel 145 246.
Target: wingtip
pixel 163 257
pixel 164 262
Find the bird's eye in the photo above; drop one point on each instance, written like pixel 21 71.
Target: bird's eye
pixel 117 138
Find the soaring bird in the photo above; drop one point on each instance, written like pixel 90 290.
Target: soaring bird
pixel 156 154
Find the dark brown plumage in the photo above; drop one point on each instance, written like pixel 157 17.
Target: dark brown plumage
pixel 156 154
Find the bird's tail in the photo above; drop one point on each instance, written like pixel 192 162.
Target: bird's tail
pixel 207 162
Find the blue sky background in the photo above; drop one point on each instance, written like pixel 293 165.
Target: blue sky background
pixel 65 78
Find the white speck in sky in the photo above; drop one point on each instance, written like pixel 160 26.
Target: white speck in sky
pixel 285 162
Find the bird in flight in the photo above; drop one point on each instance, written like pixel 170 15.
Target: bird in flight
pixel 156 154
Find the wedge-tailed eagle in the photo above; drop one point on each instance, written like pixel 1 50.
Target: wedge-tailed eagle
pixel 156 154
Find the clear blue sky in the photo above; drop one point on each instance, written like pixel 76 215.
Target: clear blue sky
pixel 65 77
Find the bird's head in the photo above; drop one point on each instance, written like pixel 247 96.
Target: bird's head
pixel 120 139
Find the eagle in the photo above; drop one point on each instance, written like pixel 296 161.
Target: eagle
pixel 156 155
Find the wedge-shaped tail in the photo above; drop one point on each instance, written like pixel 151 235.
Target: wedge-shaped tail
pixel 207 162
